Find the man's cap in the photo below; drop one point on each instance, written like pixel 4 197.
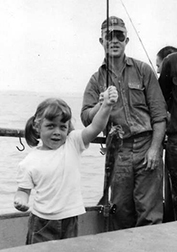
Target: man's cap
pixel 115 23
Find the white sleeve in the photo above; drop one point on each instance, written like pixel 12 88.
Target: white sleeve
pixel 76 137
pixel 24 179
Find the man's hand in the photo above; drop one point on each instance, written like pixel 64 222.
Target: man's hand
pixel 152 159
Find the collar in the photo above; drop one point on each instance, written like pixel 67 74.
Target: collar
pixel 128 61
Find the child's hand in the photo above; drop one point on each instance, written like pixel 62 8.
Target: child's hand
pixel 111 95
pixel 101 98
pixel 20 205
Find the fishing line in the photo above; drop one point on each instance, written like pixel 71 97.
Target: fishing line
pixel 107 45
pixel 138 37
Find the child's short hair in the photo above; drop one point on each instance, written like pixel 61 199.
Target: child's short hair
pixel 49 109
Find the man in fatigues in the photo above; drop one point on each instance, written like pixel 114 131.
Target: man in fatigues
pixel 136 181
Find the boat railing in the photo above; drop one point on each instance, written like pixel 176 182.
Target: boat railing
pixel 10 132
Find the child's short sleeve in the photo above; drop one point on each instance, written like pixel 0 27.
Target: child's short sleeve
pixel 24 179
pixel 76 137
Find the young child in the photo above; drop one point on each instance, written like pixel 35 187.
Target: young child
pixel 52 168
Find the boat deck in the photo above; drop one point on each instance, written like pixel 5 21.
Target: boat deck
pixel 156 238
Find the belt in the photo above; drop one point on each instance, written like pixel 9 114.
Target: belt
pixel 142 134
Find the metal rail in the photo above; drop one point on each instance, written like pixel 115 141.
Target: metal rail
pixel 6 132
pixel 10 132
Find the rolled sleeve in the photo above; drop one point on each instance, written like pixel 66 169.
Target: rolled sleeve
pixel 91 97
pixel 154 96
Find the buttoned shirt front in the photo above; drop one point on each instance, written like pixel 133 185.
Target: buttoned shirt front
pixel 140 103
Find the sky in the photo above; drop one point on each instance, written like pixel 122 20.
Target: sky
pixel 53 45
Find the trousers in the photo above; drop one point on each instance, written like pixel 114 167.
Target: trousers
pixel 171 163
pixel 136 192
pixel 41 230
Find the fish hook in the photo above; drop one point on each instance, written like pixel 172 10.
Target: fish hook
pixel 23 147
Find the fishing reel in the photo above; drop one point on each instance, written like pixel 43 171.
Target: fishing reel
pixel 106 210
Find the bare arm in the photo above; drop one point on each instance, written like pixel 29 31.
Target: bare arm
pixel 101 117
pixel 95 109
pixel 21 199
pixel 154 153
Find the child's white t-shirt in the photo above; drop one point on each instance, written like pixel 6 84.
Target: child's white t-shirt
pixel 55 176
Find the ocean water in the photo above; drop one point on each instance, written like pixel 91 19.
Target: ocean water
pixel 15 109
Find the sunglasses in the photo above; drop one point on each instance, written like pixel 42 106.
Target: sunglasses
pixel 118 34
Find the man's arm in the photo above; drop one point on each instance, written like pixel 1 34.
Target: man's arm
pixel 153 155
pixel 92 98
pixel 101 118
pixel 90 107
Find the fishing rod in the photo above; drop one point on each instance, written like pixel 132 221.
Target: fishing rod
pixel 107 44
pixel 113 141
pixel 106 206
pixel 138 37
